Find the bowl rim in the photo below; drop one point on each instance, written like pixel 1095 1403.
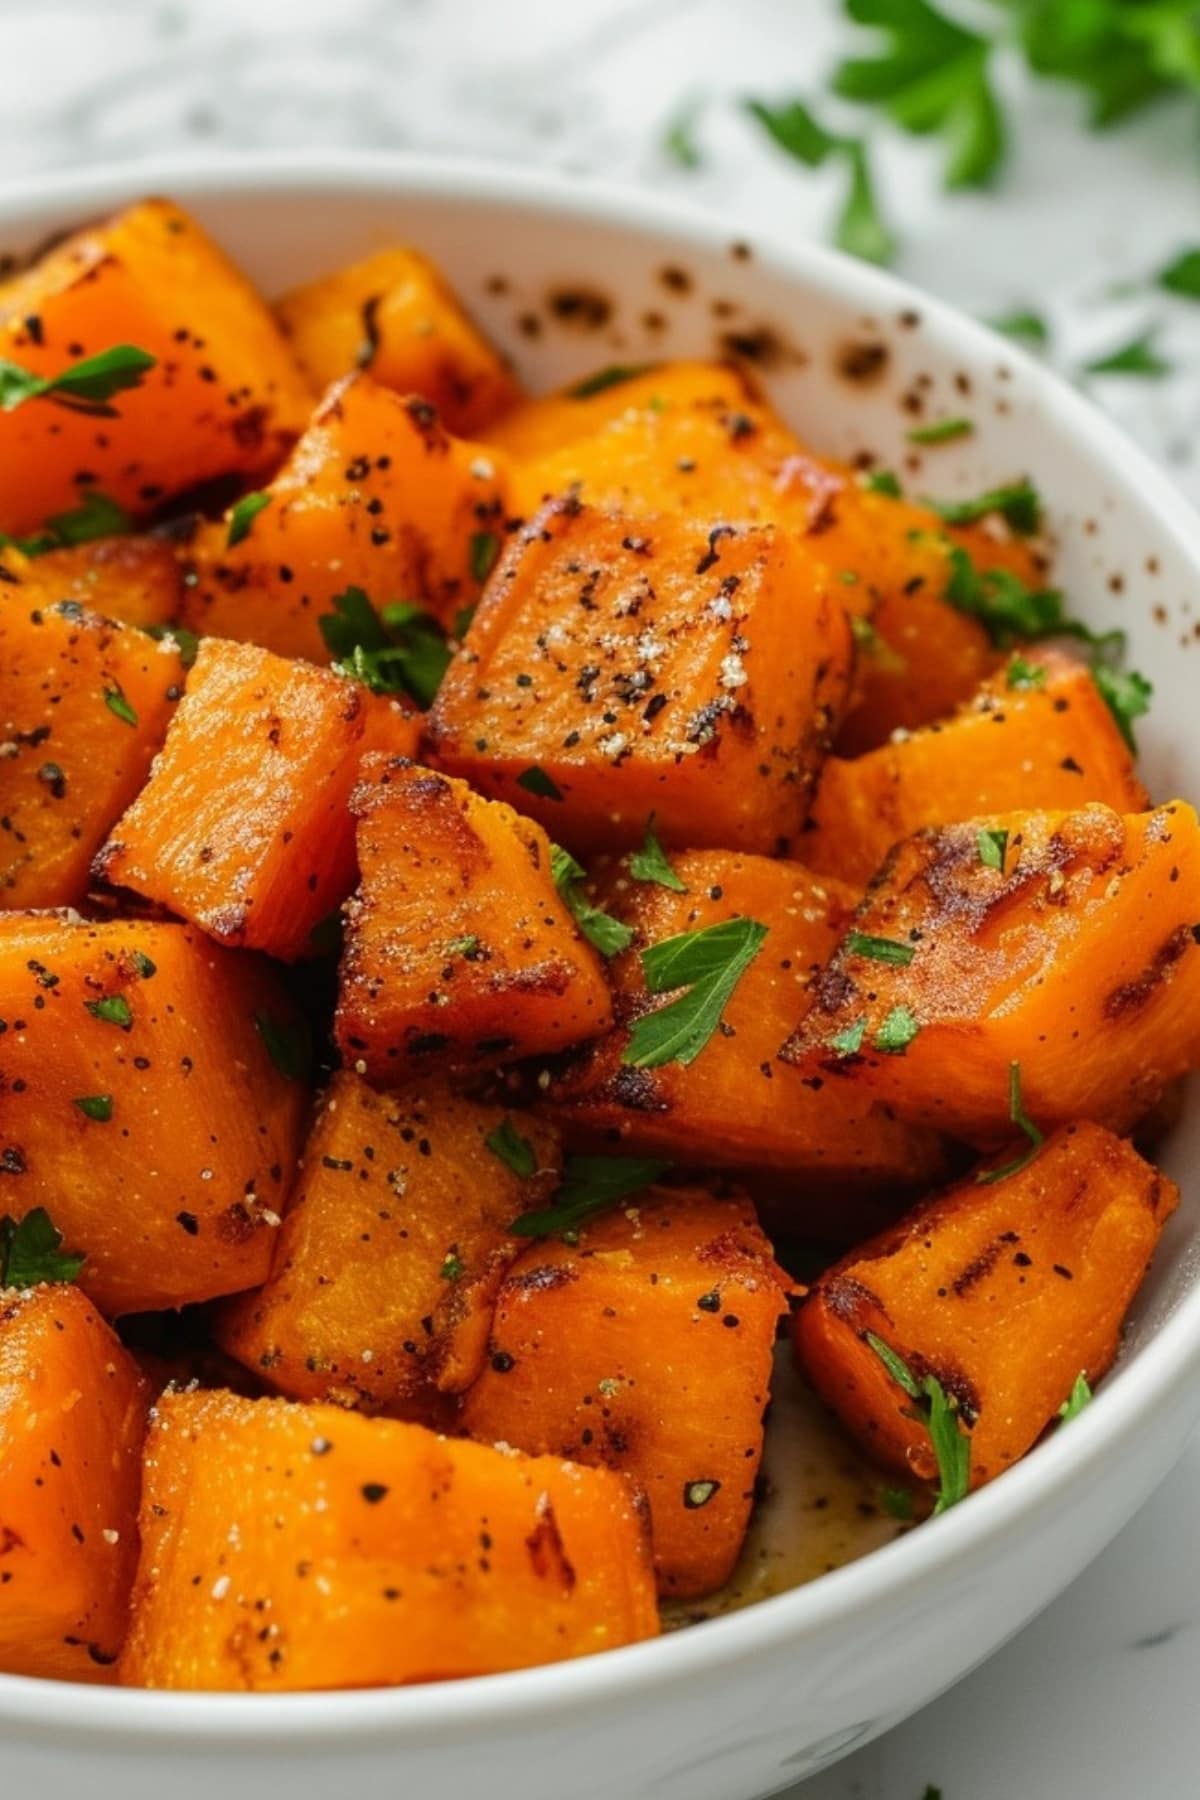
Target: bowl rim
pixel 1125 1409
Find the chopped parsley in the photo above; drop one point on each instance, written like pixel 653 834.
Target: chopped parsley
pixel 941 431
pixel 1182 275
pixel 1027 326
pixel 590 1185
pixel 882 481
pixel 1019 505
pixel 536 781
pixel 1007 609
pixel 1079 1397
pixel 897 1031
pixel 608 935
pixel 707 964
pixel 1023 675
pixel 679 139
pixel 939 1412
pixel 96 1106
pixel 87 386
pixel 896 1502
pixel 849 1041
pixel 31 1252
pixel 116 703
pixel 613 376
pixel 515 1152
pixel 482 552
pixel 113 1009
pixel 860 228
pixel 1020 1118
pixel 96 516
pixel 399 650
pixel 242 517
pixel 453 1268
pixel 287 1043
pixel 1126 694
pixel 1138 357
pixel 879 949
pixel 650 863
pixel 993 848
pixel 186 642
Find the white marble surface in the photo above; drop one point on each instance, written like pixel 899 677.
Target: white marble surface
pixel 1097 1700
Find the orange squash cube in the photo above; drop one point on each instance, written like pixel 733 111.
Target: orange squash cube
pixel 244 826
pixel 377 495
pixel 151 1102
pixel 737 1105
pixel 645 1345
pixel 396 1555
pixel 392 1251
pixel 1062 944
pixel 1054 745
pixel 459 948
pixel 1004 1292
pixel 621 666
pixel 72 1418
pixel 224 396
pixel 84 705
pixel 135 580
pixel 394 315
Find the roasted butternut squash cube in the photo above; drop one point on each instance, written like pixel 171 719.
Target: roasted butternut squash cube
pixel 736 1105
pixel 395 315
pixel 654 396
pixel 244 826
pixel 621 666
pixel 84 705
pixel 72 1418
pixel 224 395
pixel 152 1101
pixel 397 1555
pixel 135 580
pixel 1060 944
pixel 459 947
pixel 1004 1291
pixel 1052 745
pixel 645 1345
pixel 393 1249
pixel 377 495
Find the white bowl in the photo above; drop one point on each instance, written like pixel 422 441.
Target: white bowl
pixel 745 1704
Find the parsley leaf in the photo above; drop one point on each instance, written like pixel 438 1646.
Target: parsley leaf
pixel 1020 1118
pixel 186 642
pixel 1182 275
pixel 116 703
pixel 795 129
pixel 96 516
pixel 1079 1397
pixel 1019 505
pixel 897 1031
pixel 536 781
pixel 401 650
pixel 1000 600
pixel 939 1412
pixel 708 964
pixel 515 1152
pixel 30 1252
pixel 1138 357
pixel 1023 324
pixel 287 1045
pixel 1023 676
pixel 453 1268
pixel 941 431
pixel 590 1185
pixel 482 553
pixel 896 1502
pixel 613 376
pixel 608 935
pixel 993 848
pixel 242 517
pixel 679 139
pixel 96 1106
pixel 879 949
pixel 1126 694
pixel 849 1041
pixel 87 386
pixel 650 863
pixel 860 229
pixel 113 1009
pixel 882 481
pixel 931 75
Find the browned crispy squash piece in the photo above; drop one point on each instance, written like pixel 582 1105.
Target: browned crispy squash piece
pixel 645 1345
pixel 1077 960
pixel 394 314
pixel 1054 745
pixel 459 948
pixel 1004 1291
pixel 144 1104
pixel 621 665
pixel 387 1267
pixel 72 1417
pixel 244 826
pixel 377 495
pixel 737 1105
pixel 393 1555
pixel 225 396
pixel 84 705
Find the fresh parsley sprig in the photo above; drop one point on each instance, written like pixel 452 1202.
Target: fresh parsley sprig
pixel 1079 1397
pixel 86 386
pixel 939 1413
pixel 860 228
pixel 707 965
pixel 590 1185
pixel 399 649
pixel 31 1251
pixel 608 935
pixel 651 863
